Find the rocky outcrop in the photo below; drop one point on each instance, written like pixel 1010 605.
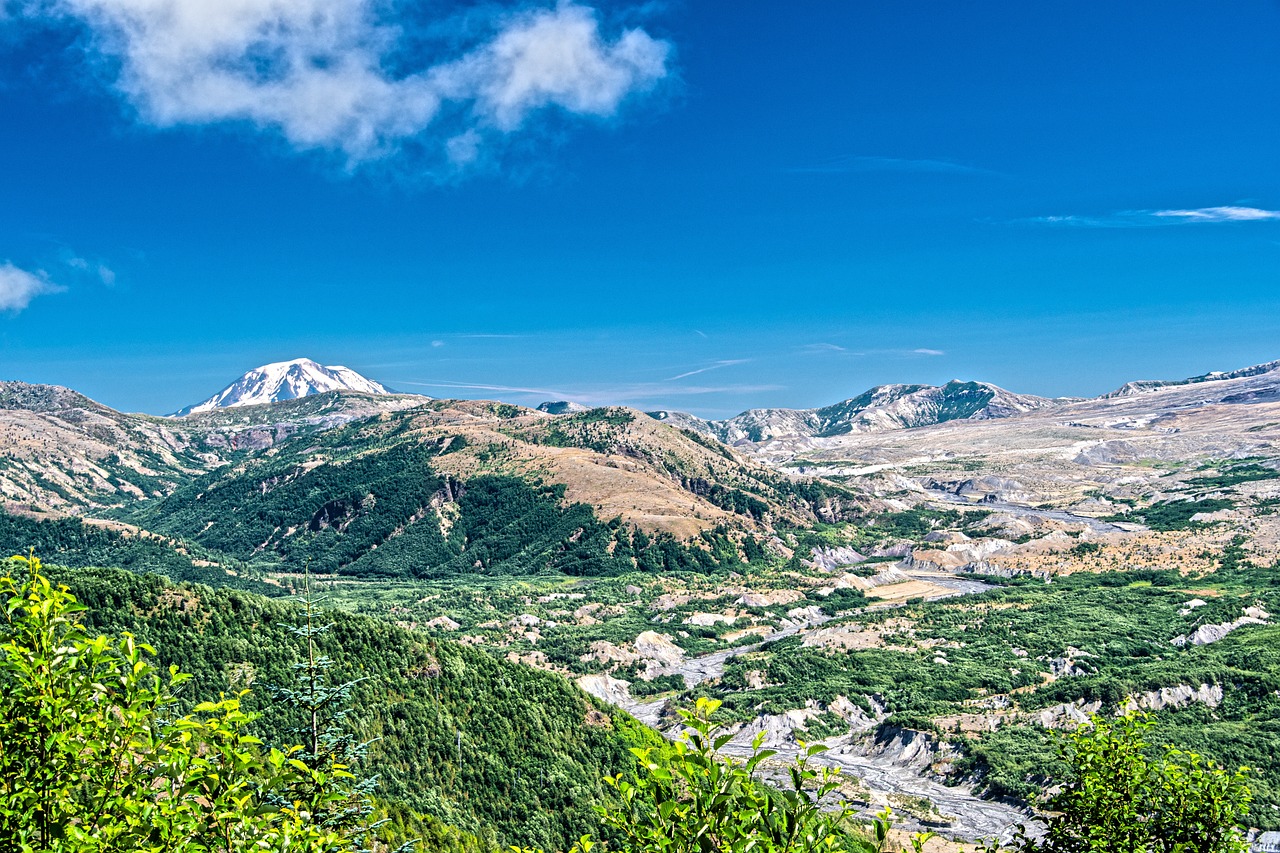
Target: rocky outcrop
pixel 659 648
pixel 1206 634
pixel 831 559
pixel 1067 715
pixel 1179 696
pixel 768 598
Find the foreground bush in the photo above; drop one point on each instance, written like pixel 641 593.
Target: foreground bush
pixel 93 756
pixel 1121 799
pixel 688 799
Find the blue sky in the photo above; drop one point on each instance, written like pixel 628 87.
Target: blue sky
pixel 668 205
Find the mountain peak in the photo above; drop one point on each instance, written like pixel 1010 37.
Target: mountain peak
pixel 285 380
pixel 562 407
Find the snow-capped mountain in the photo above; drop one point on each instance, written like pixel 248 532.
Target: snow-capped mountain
pixel 285 380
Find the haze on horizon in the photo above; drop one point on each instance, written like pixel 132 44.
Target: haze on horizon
pixel 660 205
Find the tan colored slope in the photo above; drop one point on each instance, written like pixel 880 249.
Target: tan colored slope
pixel 65 453
pixel 640 471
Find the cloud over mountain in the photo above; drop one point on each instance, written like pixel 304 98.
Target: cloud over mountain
pixel 360 77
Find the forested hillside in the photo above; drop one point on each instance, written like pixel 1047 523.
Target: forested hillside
pixel 78 543
pixel 513 754
pixel 384 500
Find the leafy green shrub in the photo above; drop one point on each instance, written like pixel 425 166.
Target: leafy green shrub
pixel 93 759
pixel 658 684
pixel 687 799
pixel 1119 799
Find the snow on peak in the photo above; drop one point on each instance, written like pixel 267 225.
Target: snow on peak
pixel 286 380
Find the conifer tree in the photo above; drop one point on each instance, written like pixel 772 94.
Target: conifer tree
pixel 331 748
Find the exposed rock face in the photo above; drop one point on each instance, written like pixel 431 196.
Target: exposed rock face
pixel 957 555
pixel 1180 696
pixel 843 638
pixel 705 620
pixel 1070 714
pixel 907 748
pixel 659 648
pixel 562 407
pixel 604 651
pixel 770 597
pixel 1069 664
pixel 833 559
pixel 1264 842
pixel 778 729
pixel 617 692
pixel 1206 634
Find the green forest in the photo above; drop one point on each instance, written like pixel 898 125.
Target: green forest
pixel 387 514
pixel 99 751
pixel 504 752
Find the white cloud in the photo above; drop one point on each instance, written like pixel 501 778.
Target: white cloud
pixel 927 351
pixel 318 72
pixel 1141 218
pixel 556 58
pixel 18 287
pixel 1219 214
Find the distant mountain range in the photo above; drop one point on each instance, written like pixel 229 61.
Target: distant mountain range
pixel 885 407
pixel 882 408
pixel 895 407
pixel 285 380
pixel 1146 385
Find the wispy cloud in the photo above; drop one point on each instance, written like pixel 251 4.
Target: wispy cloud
pixel 842 165
pixel 18 287
pixel 477 386
pixel 1219 214
pixel 1152 218
pixel 822 347
pixel 836 349
pixel 728 362
pixel 360 77
pixel 99 270
pixel 598 395
pixel 652 392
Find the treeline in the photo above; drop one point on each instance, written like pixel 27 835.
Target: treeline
pixel 78 544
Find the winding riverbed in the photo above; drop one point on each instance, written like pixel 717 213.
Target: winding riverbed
pixel 887 773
